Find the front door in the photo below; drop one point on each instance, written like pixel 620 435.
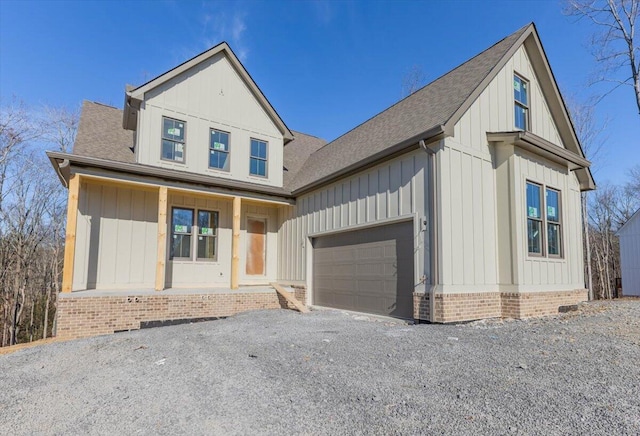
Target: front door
pixel 256 245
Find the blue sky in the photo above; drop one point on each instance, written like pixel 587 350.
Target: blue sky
pixel 325 66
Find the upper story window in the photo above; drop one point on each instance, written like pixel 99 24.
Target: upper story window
pixel 258 159
pixel 543 218
pixel 521 102
pixel 219 150
pixel 173 139
pixel 183 229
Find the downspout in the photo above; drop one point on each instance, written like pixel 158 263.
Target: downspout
pixel 433 230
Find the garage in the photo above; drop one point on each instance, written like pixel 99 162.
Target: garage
pixel 369 270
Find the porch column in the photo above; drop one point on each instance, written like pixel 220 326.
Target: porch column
pixel 70 236
pixel 235 243
pixel 162 238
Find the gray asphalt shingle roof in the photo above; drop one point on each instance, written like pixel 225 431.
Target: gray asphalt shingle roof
pixel 308 159
pixel 101 135
pixel 428 107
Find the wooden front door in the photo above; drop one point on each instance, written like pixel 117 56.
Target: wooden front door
pixel 256 245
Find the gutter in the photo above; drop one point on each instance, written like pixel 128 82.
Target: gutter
pixel 62 163
pixel 434 278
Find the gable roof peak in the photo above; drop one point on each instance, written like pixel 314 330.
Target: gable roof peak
pixel 135 95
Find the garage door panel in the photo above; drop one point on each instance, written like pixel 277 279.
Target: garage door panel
pixel 368 270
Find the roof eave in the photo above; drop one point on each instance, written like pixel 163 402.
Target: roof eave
pixel 434 134
pixel 541 147
pixel 58 158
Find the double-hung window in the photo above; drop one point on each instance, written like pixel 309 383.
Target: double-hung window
pixel 258 159
pixel 554 230
pixel 183 230
pixel 173 139
pixel 521 102
pixel 543 218
pixel 181 233
pixel 534 218
pixel 219 150
pixel 207 235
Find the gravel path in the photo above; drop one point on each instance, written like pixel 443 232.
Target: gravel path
pixel 328 372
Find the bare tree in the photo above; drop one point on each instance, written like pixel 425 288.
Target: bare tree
pixel 414 79
pixel 590 133
pixel 59 126
pixel 613 45
pixel 31 219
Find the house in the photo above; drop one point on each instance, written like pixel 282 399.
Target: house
pixel 460 202
pixel 629 235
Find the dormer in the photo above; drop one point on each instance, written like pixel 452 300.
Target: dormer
pixel 207 116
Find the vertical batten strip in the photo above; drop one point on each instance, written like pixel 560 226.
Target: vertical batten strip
pixel 162 238
pixel 70 236
pixel 235 243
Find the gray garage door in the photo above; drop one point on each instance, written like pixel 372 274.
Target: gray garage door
pixel 366 270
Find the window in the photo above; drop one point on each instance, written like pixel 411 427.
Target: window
pixel 183 228
pixel 219 150
pixel 173 133
pixel 207 233
pixel 554 233
pixel 534 218
pixel 543 216
pixel 258 160
pixel 521 97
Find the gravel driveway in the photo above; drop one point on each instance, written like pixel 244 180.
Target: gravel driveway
pixel 328 372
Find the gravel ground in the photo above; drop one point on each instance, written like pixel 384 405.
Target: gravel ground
pixel 329 372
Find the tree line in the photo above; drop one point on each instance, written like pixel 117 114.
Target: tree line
pixel 32 218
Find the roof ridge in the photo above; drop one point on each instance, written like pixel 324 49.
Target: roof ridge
pixel 414 94
pixel 102 104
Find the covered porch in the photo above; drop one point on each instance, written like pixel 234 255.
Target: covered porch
pixel 128 233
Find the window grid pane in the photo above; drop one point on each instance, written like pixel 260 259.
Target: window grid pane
pixel 534 234
pixel 553 238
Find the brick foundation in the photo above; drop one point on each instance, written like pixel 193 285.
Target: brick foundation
pixel 473 306
pixel 465 307
pixel 84 316
pixel 526 305
pixel 300 293
pixel 421 306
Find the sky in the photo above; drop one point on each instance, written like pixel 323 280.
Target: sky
pixel 326 66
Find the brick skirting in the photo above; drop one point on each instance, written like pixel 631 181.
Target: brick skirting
pixel 79 317
pixel 472 306
pixel 526 305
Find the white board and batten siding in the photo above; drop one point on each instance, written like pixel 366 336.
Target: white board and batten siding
pixel 630 255
pixel 394 190
pixel 469 188
pixel 211 95
pixel 116 238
